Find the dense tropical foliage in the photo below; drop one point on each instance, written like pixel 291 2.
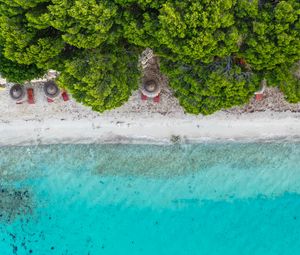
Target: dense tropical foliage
pixel 215 52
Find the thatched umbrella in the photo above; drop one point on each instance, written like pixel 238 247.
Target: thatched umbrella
pixel 51 90
pixel 17 92
pixel 151 88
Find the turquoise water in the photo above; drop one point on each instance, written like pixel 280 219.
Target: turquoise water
pixel 210 198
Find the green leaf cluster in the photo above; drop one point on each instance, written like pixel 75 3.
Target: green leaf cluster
pixel 205 88
pixel 102 78
pixel 285 77
pixel 17 72
pixel 271 37
pixel 215 52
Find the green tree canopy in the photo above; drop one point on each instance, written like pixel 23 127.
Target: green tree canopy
pixel 18 72
pixel 102 78
pixel 203 88
pixel 215 52
pixel 271 35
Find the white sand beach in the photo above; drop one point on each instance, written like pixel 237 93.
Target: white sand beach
pixel 142 121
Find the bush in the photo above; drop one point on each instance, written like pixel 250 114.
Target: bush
pixel 203 88
pixel 95 46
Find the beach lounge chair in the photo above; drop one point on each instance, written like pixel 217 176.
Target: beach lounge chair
pixel 143 97
pixel 259 95
pixel 50 100
pixel 65 96
pixel 156 99
pixel 30 96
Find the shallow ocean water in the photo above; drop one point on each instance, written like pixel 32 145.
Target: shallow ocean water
pixel 214 198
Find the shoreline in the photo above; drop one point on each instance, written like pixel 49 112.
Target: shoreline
pixel 143 122
pixel 155 130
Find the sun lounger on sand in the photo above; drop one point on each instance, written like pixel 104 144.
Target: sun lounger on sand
pixel 50 100
pixel 143 97
pixel 65 96
pixel 30 96
pixel 156 99
pixel 259 95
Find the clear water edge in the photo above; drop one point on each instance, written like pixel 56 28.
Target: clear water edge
pixel 215 198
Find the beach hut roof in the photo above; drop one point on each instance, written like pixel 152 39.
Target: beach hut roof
pixel 51 89
pixel 17 92
pixel 151 88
